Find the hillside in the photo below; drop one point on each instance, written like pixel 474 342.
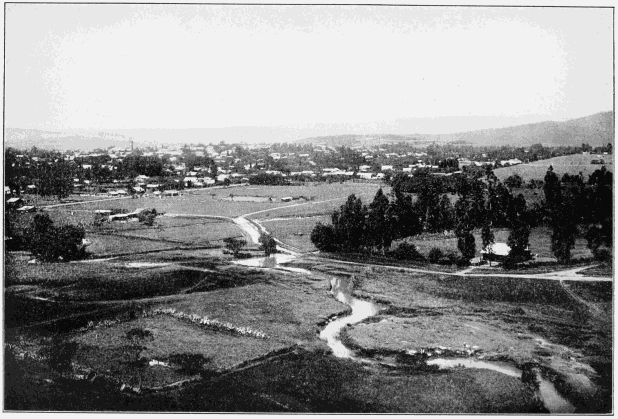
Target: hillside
pixel 572 165
pixel 597 129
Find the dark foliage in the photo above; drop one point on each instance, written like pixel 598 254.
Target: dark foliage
pixel 51 243
pixel 268 244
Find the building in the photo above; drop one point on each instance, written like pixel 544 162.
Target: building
pixel 498 252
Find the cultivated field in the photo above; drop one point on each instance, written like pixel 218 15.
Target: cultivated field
pixel 572 165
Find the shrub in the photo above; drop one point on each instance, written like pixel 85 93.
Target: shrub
pixel 147 216
pixel 406 251
pixel 190 363
pixel 602 254
pixel 435 255
pixel 323 237
pixel 268 244
pixel 463 262
pixel 50 243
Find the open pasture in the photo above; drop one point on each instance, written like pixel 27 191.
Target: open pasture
pixel 211 202
pixel 199 232
pixel 572 164
pixel 295 231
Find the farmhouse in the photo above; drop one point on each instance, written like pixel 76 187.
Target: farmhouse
pixel 498 252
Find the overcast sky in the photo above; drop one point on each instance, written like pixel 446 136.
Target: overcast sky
pixel 195 66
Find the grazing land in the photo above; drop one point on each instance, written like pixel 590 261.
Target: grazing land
pixel 572 164
pixel 226 337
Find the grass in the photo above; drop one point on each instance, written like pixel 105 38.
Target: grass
pixel 603 270
pixel 540 243
pixel 209 201
pixel 103 245
pixel 295 232
pixel 197 234
pixel 572 164
pixel 102 349
pixel 102 281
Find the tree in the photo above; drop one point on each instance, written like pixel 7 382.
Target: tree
pixel 323 238
pixel 552 191
pixel 349 223
pixel 518 239
pixel 55 179
pixel 234 245
pixel 563 240
pixel 268 244
pixel 380 233
pixel 50 243
pixel 465 241
pixel 445 214
pixel 487 235
pixel 514 181
pixel 429 192
pixel 402 213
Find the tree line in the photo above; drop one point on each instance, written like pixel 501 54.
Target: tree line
pixel 481 204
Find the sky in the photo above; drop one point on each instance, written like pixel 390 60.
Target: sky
pixel 371 68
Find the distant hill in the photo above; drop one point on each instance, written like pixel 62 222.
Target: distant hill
pixel 597 129
pixel 62 140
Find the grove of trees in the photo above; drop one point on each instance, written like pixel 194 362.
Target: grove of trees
pixel 482 202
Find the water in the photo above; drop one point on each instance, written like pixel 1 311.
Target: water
pixel 275 261
pixel 341 288
pixel 553 401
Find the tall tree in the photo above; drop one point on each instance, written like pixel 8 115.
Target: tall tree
pixel 405 221
pixel 349 223
pixel 379 228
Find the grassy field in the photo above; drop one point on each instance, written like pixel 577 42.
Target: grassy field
pixel 563 328
pixel 210 201
pixel 294 231
pixel 517 319
pixel 572 165
pixel 198 233
pixel 540 243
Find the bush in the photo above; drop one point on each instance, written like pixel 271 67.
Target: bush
pixel 147 216
pixel 50 243
pixel 323 237
pixel 268 244
pixel 463 262
pixel 602 254
pixel 406 251
pixel 435 255
pixel 190 363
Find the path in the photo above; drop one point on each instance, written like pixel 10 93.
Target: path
pixel 567 275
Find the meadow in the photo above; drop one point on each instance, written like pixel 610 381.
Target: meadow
pixel 540 243
pixel 572 164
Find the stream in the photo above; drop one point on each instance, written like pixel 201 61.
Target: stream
pixel 342 289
